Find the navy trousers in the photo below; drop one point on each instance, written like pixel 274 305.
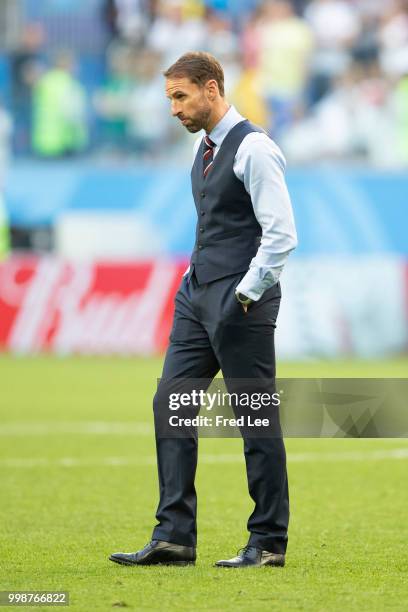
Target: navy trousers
pixel 210 332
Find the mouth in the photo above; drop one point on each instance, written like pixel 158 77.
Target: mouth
pixel 184 121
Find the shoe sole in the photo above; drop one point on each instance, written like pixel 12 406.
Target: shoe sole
pixel 249 566
pixel 124 562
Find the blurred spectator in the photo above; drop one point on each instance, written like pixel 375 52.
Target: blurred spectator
pixel 336 25
pixel 366 47
pixel 148 112
pixel 247 97
pixel 5 134
pixel 223 43
pixel 112 100
pixel 354 120
pixel 59 121
pixel 26 67
pixel 286 44
pixel 176 30
pixel 250 40
pixel 127 20
pixel 394 38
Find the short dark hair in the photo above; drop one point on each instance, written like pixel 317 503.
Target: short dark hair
pixel 199 67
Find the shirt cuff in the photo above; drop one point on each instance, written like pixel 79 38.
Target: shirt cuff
pixel 257 280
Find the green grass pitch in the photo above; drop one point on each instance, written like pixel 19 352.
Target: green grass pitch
pixel 78 481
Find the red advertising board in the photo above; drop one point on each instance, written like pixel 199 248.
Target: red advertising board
pixel 64 307
pixel 48 304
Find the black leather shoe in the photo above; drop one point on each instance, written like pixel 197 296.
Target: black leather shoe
pixel 157 552
pixel 253 557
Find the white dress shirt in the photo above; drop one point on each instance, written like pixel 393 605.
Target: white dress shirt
pixel 260 165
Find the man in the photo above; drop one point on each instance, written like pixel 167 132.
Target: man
pixel 225 312
pixel 59 110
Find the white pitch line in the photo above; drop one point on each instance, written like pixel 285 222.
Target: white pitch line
pixel 71 462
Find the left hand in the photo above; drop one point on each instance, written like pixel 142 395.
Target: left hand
pixel 243 300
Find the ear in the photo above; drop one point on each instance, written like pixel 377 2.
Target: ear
pixel 212 89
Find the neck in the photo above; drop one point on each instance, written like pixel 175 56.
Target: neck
pixel 219 110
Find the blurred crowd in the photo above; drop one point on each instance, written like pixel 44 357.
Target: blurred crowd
pixel 327 78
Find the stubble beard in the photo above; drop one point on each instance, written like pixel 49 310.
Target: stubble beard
pixel 200 121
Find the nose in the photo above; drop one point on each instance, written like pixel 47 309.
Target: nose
pixel 175 109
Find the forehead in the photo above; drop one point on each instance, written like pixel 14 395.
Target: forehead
pixel 179 84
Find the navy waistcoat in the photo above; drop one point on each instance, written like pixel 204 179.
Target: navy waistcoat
pixel 227 234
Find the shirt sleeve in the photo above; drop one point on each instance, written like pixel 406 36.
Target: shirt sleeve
pixel 260 165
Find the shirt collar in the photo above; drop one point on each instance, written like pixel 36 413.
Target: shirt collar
pixel 229 120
